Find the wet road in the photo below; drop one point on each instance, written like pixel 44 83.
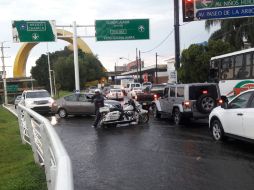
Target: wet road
pixel 154 156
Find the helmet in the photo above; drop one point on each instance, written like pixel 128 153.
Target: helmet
pixel 97 90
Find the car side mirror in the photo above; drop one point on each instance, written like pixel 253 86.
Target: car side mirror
pixel 225 105
pixel 225 102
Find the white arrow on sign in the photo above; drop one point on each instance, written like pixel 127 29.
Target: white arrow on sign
pixel 35 36
pixel 141 28
pixel 206 2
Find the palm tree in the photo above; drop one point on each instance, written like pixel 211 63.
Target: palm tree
pixel 235 31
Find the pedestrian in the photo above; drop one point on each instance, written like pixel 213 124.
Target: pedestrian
pixel 98 100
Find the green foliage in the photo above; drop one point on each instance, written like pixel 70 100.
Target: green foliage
pixel 17 167
pixel 90 68
pixel 234 31
pixel 195 60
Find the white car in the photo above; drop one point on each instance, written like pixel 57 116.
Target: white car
pixel 37 100
pixel 235 119
pixel 134 92
pixel 115 94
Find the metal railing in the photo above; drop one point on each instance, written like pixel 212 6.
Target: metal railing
pixel 48 150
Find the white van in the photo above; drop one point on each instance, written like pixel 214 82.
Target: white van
pixel 130 86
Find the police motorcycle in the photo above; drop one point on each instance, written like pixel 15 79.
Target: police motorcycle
pixel 132 113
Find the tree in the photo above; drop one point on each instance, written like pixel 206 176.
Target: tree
pixel 90 68
pixel 234 31
pixel 195 60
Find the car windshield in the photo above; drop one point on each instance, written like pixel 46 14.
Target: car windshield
pixel 42 94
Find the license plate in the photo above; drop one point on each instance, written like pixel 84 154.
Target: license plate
pixel 144 103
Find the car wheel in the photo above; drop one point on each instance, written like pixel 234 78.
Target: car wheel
pixel 156 113
pixel 217 130
pixel 205 103
pixel 62 113
pixel 177 116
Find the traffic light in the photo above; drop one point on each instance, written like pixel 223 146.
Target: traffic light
pixel 188 10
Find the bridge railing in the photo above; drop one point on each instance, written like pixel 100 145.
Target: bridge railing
pixel 48 150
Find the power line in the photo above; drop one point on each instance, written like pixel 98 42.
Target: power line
pixel 171 32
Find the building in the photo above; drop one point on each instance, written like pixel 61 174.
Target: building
pixel 171 71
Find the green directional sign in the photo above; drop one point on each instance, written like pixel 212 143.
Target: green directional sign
pixel 131 29
pixel 34 31
pixel 205 4
pixel 12 88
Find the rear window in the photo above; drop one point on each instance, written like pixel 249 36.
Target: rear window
pixel 158 89
pixel 196 91
pixel 115 90
pixel 180 92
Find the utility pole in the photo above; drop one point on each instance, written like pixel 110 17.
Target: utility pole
pixel 140 74
pixel 177 34
pixel 156 67
pixel 50 78
pixel 115 73
pixel 75 50
pixel 4 73
pixel 137 62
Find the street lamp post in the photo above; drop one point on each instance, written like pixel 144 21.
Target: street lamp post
pixel 50 79
pixel 54 79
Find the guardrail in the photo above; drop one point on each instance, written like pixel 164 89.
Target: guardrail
pixel 48 150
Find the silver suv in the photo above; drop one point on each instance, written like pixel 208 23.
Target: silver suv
pixel 185 101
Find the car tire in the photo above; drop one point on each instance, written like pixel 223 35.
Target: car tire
pixel 177 117
pixel 205 103
pixel 156 113
pixel 62 113
pixel 217 130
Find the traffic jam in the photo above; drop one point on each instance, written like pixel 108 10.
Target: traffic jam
pixel 135 103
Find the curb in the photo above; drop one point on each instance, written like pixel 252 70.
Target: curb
pixel 10 110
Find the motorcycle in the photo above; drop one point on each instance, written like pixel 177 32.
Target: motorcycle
pixel 130 114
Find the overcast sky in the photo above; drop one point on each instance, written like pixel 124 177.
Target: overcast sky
pixel 64 12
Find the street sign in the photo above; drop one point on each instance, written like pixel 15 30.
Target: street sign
pixel 216 9
pixel 206 4
pixel 221 13
pixel 12 88
pixel 133 29
pixel 34 31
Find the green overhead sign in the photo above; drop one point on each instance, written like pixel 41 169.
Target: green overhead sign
pixel 131 29
pixel 12 88
pixel 205 4
pixel 34 31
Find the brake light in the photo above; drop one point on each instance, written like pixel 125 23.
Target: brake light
pixel 186 104
pixel 155 96
pixel 220 102
pixel 204 92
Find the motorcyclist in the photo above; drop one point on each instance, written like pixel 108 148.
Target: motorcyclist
pixel 98 100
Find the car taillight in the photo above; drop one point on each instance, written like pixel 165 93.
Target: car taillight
pixel 155 97
pixel 205 92
pixel 220 102
pixel 186 104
